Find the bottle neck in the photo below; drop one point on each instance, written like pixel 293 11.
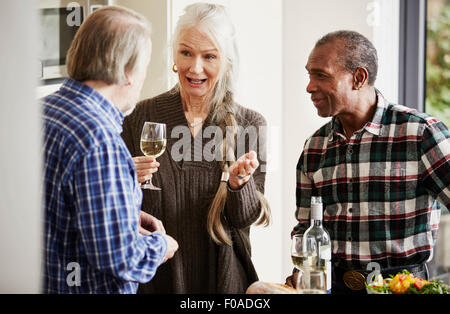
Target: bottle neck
pixel 316 211
pixel 316 222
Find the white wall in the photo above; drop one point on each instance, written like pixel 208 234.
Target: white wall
pixel 260 88
pixel 156 11
pixel 383 16
pixel 20 168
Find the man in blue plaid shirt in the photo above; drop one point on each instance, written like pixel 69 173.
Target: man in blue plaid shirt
pixel 96 239
pixel 380 168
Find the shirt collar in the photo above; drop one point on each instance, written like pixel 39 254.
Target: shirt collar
pixel 95 98
pixel 374 126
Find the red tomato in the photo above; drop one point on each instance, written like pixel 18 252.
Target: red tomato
pixel 418 283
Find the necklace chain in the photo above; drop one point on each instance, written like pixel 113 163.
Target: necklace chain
pixel 197 121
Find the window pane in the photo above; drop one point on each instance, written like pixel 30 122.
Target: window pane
pixel 437 103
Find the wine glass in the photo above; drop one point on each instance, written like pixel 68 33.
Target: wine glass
pixel 304 259
pixel 311 282
pixel 300 251
pixel 153 144
pixel 297 251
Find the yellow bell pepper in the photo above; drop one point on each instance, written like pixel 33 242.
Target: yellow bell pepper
pixel 401 282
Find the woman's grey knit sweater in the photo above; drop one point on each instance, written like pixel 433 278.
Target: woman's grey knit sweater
pixel 188 187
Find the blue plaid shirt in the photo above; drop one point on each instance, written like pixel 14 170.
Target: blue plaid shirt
pixel 92 199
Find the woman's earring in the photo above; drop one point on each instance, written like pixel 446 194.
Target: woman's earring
pixel 174 68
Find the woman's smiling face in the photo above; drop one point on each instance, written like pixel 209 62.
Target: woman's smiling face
pixel 198 62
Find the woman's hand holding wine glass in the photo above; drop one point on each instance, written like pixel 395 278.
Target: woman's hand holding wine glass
pixel 145 167
pixel 153 144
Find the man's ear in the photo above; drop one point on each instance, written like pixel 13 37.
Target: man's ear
pixel 360 77
pixel 129 79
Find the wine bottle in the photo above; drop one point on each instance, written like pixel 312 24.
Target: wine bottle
pixel 317 243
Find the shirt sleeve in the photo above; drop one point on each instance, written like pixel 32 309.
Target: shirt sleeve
pixel 436 161
pixel 303 194
pixel 107 211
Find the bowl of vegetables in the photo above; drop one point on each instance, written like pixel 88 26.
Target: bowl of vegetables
pixel 406 283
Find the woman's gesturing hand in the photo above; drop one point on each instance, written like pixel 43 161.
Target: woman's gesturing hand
pixel 242 170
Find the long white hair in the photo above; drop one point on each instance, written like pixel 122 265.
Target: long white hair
pixel 215 22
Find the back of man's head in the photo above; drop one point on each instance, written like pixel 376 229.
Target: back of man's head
pixel 112 41
pixel 355 52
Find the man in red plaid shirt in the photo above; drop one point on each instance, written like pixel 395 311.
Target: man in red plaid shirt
pixel 381 169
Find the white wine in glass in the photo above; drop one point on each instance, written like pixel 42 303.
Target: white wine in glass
pixel 153 144
pixel 153 148
pixel 297 251
pixel 309 277
pixel 298 256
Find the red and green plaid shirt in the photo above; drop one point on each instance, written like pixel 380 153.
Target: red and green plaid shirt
pixel 379 188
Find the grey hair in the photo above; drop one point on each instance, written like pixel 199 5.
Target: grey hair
pixel 358 52
pixel 111 42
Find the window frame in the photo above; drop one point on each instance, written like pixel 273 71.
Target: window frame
pixel 412 54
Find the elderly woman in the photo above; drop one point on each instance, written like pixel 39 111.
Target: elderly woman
pixel 206 204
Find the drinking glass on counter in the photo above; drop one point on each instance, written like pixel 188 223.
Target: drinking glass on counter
pixel 310 278
pixel 298 249
pixel 153 144
pixel 311 282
